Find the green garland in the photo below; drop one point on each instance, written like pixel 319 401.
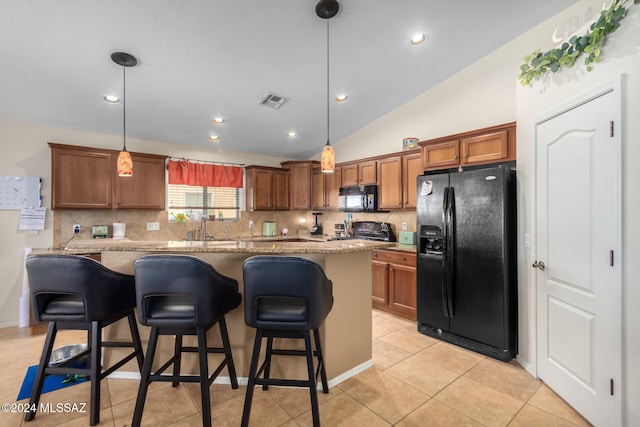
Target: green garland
pixel 539 63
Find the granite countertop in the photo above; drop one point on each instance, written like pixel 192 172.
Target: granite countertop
pixel 294 245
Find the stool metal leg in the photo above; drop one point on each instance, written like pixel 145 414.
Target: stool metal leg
pixel 177 360
pixel 38 381
pixel 204 377
pixel 231 367
pixel 267 362
pixel 246 412
pixel 312 379
pixel 135 336
pixel 144 377
pixel 95 371
pixel 323 372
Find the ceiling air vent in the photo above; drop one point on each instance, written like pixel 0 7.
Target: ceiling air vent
pixel 273 100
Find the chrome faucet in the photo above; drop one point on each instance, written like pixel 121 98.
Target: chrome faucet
pixel 203 227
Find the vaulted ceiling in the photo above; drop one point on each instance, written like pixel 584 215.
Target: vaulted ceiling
pixel 199 59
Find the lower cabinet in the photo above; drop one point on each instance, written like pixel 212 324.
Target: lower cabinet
pixel 393 287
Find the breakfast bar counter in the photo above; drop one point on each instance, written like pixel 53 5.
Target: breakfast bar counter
pixel 345 335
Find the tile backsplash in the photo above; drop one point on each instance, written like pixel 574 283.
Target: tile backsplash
pixel 297 222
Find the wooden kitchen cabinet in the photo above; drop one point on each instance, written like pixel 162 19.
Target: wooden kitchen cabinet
pixel 360 173
pixel 81 178
pixel 484 146
pixel 145 189
pixel 397 176
pixel 300 173
pixel 267 188
pixel 411 169
pixel 324 189
pixel 393 287
pixel 86 178
pixel 390 186
pixel 281 190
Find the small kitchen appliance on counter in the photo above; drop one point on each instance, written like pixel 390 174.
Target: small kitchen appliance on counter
pixel 119 230
pixel 316 229
pixel 99 231
pixel 268 228
pixel 369 230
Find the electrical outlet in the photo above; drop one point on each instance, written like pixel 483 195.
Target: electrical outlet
pixel 153 226
pixel 250 224
pixel 404 226
pixel 76 228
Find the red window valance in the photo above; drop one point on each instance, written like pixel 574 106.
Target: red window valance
pixel 204 175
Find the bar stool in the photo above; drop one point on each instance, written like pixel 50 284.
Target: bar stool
pixel 183 295
pixel 74 292
pixel 285 297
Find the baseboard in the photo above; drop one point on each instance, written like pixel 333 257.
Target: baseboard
pixel 126 375
pixel 8 324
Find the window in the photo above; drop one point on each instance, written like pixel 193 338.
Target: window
pixel 193 202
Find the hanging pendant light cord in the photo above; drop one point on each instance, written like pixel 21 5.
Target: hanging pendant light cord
pixel 124 107
pixel 328 117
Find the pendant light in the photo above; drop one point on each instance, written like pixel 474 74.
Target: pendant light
pixel 327 9
pixel 125 164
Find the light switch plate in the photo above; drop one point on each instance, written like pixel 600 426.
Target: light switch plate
pixel 153 226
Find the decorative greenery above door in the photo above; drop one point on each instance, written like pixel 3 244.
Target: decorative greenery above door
pixel 539 63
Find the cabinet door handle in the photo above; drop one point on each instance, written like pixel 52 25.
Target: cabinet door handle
pixel 404 258
pixel 456 158
pixel 392 269
pixel 466 156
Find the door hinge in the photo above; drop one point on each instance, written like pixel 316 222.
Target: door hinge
pixel 611 128
pixel 611 386
pixel 611 258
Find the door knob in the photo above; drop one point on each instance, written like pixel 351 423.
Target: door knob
pixel 539 264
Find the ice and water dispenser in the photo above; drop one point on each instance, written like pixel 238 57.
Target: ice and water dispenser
pixel 431 240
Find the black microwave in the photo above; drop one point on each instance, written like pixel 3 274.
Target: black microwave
pixel 358 198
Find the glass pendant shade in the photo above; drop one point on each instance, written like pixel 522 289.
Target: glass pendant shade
pixel 328 159
pixel 125 164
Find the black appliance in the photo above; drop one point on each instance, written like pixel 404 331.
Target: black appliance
pixel 370 230
pixel 316 229
pixel 359 198
pixel 466 249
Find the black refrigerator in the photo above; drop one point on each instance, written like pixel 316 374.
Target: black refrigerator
pixel 467 278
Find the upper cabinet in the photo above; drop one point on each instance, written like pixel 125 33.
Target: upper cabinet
pixel 86 178
pixel 397 177
pixel 324 189
pixel 359 173
pixel 267 188
pixel 411 168
pixel 142 190
pixel 390 187
pixel 489 145
pixel 300 183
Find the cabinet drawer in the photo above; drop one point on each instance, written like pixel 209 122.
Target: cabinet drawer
pixel 395 257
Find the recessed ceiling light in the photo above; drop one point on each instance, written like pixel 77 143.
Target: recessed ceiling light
pixel 218 120
pixel 214 138
pixel 341 97
pixel 292 134
pixel 111 99
pixel 417 39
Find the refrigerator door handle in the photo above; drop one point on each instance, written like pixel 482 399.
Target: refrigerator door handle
pixel 450 257
pixel 445 262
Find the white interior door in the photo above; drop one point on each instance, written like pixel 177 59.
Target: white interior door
pixel 577 251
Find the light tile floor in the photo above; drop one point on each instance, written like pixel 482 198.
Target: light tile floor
pixel 416 381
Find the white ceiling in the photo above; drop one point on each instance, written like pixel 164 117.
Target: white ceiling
pixel 204 58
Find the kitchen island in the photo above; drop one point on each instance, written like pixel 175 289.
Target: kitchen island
pixel 345 335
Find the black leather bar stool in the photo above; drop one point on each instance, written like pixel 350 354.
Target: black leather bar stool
pixel 183 295
pixel 74 292
pixel 285 297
